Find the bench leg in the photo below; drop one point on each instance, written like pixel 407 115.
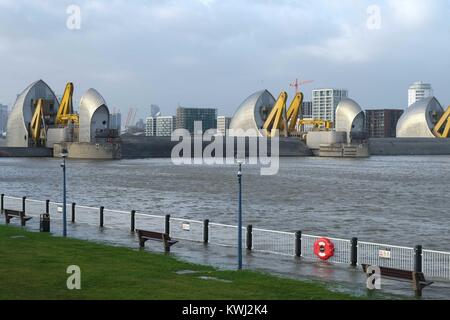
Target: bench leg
pixel 142 242
pixel 22 221
pixel 7 218
pixel 418 293
pixel 166 246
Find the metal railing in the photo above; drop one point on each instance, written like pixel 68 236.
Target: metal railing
pixel 225 235
pixel 383 255
pixel 276 242
pixel 342 249
pixel 434 264
pixel 186 229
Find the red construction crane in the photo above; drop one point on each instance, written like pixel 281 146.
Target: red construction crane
pixel 297 84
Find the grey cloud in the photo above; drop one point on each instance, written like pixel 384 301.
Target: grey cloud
pixel 215 53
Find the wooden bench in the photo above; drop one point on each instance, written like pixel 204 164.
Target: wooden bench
pixel 9 214
pixel 145 235
pixel 417 278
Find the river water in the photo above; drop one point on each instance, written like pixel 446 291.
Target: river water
pixel 394 200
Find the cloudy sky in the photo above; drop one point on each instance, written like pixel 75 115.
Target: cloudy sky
pixel 214 53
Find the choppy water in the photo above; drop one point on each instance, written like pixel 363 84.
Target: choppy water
pixel 394 200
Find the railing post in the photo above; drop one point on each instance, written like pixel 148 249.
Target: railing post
pixel 47 206
pixel 167 227
pixel 133 213
pixel 249 237
pixel 298 244
pixel 101 216
pixel 205 231
pixel 2 206
pixel 73 212
pixel 354 252
pixel 418 258
pixel 23 204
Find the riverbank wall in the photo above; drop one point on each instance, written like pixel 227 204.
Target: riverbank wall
pixel 161 147
pixel 20 152
pixel 408 146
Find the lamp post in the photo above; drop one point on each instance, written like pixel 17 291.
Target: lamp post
pixel 239 174
pixel 64 155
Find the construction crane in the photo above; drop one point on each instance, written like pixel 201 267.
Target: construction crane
pixel 442 127
pixel 297 84
pixel 316 123
pixel 281 120
pixel 288 122
pixel 276 117
pixel 65 111
pixel 37 124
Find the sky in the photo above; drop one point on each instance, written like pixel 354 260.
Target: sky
pixel 215 53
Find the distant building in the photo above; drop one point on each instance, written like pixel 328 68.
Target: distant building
pixel 160 126
pixel 187 116
pixel 165 126
pixel 382 123
pixel 3 118
pixel 325 102
pixel 154 111
pixel 418 91
pixel 223 124
pixel 306 110
pixel 115 121
pixel 150 126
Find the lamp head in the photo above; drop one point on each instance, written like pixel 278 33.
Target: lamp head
pixel 240 162
pixel 64 153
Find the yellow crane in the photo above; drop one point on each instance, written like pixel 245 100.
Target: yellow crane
pixel 442 127
pixel 65 111
pixel 281 120
pixel 316 123
pixel 37 125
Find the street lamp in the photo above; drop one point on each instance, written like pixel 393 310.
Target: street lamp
pixel 64 155
pixel 239 174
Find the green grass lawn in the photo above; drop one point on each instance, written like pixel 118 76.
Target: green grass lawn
pixel 33 266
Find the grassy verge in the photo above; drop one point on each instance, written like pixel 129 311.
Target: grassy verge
pixel 33 266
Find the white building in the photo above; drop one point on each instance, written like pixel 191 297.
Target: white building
pixel 159 126
pixel 223 124
pixel 150 126
pixel 165 126
pixel 325 101
pixel 418 91
pixel 3 118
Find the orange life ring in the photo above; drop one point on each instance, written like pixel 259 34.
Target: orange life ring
pixel 324 248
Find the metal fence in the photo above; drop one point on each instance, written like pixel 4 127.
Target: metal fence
pixel 276 242
pixel 434 264
pixel 383 255
pixel 342 249
pixel 186 229
pixel 225 235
